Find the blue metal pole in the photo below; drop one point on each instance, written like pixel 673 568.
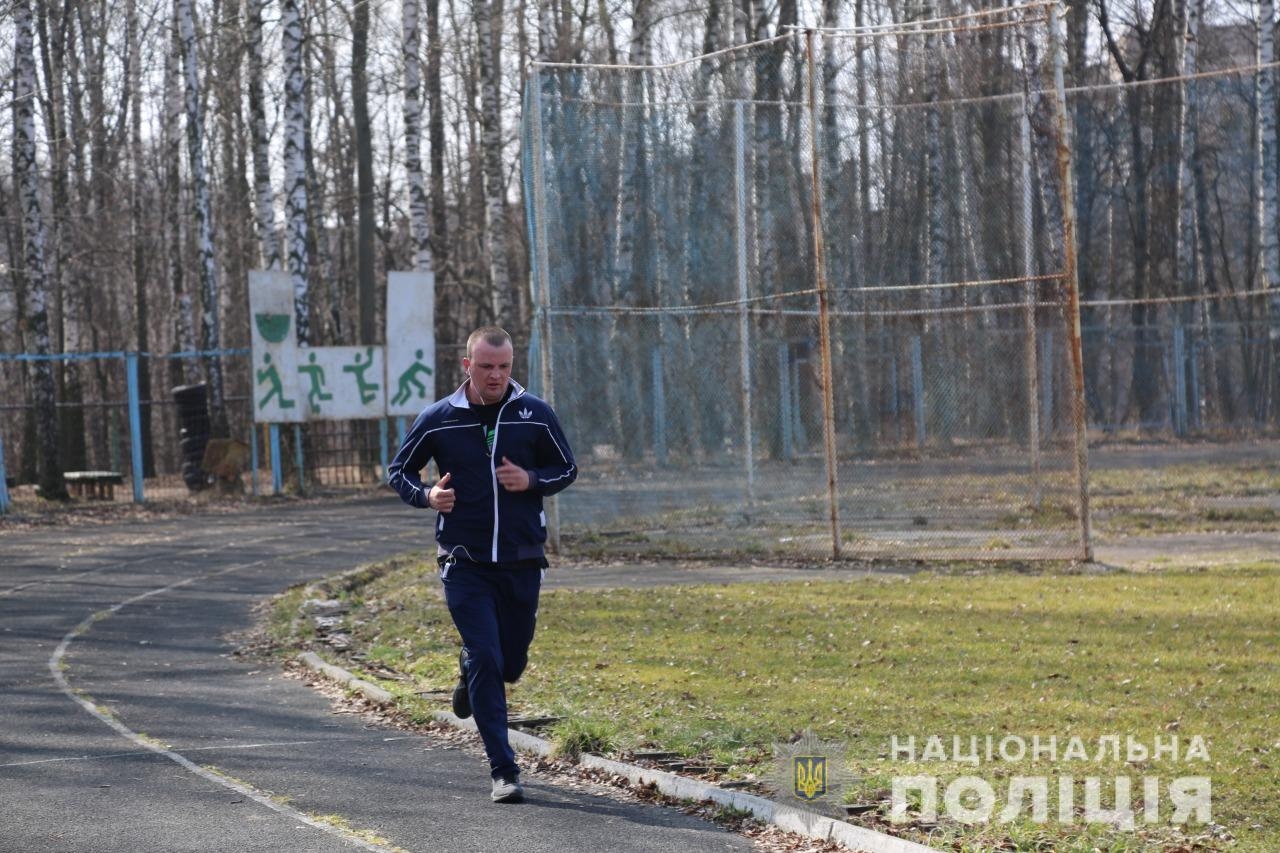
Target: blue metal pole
pixel 1046 382
pixel 786 419
pixel 297 456
pixel 4 483
pixel 277 473
pixel 401 430
pixel 253 459
pixel 659 408
pixel 135 424
pixel 1180 380
pixel 917 386
pixel 382 445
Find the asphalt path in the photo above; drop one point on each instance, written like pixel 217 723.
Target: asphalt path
pixel 129 725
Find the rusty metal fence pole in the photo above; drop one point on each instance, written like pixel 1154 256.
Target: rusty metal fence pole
pixel 1070 278
pixel 744 325
pixel 824 314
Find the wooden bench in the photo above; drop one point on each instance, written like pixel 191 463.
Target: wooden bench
pixel 94 485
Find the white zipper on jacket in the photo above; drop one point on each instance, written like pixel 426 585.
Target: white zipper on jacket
pixel 493 471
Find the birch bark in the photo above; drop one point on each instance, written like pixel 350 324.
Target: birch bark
pixel 295 112
pixel 171 141
pixel 419 210
pixel 210 334
pixel 263 195
pixel 489 30
pixel 52 485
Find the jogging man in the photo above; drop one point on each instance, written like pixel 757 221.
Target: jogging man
pixel 500 451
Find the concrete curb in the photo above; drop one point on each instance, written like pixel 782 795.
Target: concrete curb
pixel 802 822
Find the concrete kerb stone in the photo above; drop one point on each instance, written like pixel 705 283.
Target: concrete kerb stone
pixel 368 690
pixel 788 818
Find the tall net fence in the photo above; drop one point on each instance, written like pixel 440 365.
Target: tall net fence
pixel 1178 320
pixel 810 295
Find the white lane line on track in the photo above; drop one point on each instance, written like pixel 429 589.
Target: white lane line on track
pixel 190 749
pixel 55 667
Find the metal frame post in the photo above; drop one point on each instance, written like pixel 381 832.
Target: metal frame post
pixel 382 446
pixel 253 459
pixel 4 483
pixel 1029 340
pixel 1180 380
pixel 785 417
pixel 1046 377
pixel 277 470
pixel 824 314
pixel 659 408
pixel 744 322
pixel 135 424
pixel 542 274
pixel 917 387
pixel 1070 278
pixel 298 458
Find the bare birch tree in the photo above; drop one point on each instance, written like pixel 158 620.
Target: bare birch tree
pixel 419 211
pixel 489 32
pixel 367 297
pixel 28 174
pixel 264 197
pixel 171 144
pixel 210 335
pixel 295 167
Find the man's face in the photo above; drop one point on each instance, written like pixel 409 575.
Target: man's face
pixel 490 370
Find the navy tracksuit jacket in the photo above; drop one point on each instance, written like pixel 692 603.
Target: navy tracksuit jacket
pixel 488 524
pixel 491 544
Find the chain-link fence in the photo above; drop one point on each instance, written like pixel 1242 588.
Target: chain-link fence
pixel 809 295
pixel 97 433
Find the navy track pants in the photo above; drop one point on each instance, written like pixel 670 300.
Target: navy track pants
pixel 495 609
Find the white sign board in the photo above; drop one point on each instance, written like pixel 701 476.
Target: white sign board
pixel 275 349
pixel 341 383
pixel 411 342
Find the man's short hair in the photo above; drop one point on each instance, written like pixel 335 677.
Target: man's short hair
pixel 494 336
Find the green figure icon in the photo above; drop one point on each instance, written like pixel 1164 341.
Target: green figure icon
pixel 316 374
pixel 270 375
pixel 367 389
pixel 409 377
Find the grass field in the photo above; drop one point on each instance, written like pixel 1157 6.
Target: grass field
pixel 728 671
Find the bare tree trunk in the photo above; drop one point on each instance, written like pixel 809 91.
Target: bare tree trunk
pixel 28 175
pixel 210 335
pixel 295 110
pixel 338 192
pixel 365 286
pixel 435 139
pixel 419 211
pixel 489 31
pixel 66 120
pixel 180 371
pixel 137 235
pixel 265 198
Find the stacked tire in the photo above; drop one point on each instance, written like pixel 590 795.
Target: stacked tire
pixel 193 432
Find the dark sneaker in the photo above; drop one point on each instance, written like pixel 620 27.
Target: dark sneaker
pixel 506 789
pixel 461 698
